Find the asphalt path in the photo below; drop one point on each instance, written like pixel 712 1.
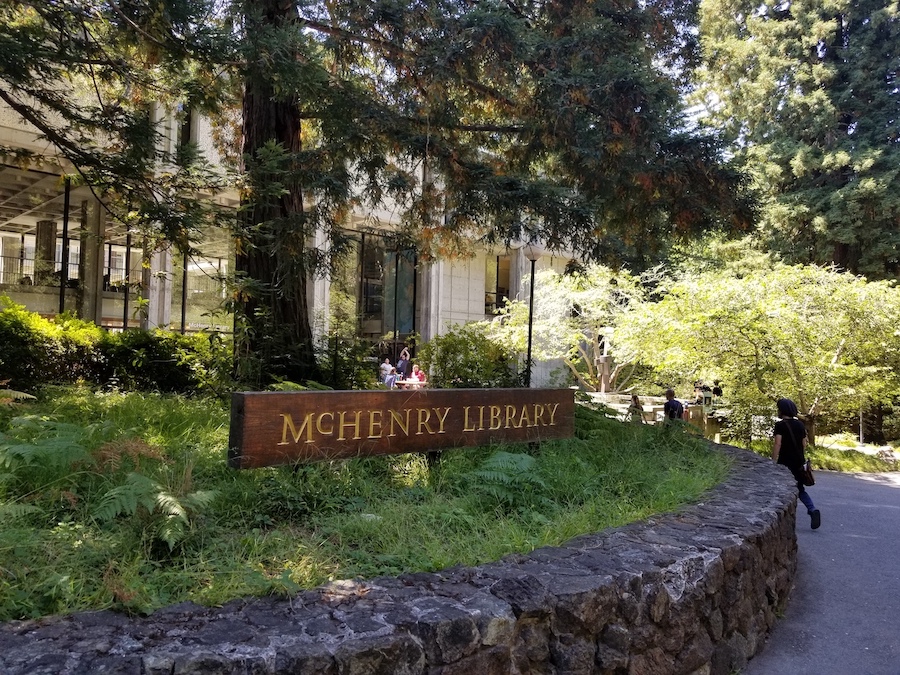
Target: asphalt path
pixel 843 617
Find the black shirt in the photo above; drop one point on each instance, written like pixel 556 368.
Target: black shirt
pixel 792 432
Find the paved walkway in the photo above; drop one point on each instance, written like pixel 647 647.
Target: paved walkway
pixel 843 617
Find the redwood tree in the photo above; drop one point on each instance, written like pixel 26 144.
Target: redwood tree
pixel 490 121
pixel 807 91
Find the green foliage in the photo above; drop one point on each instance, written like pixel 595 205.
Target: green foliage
pixel 138 509
pixel 820 337
pixel 169 514
pixel 465 357
pixel 345 363
pixel 571 311
pixel 41 455
pixel 165 361
pixel 509 479
pixel 39 351
pixel 550 121
pixel 807 93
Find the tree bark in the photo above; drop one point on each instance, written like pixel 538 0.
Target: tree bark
pixel 276 334
pixel 873 425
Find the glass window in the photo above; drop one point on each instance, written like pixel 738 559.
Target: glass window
pixel 496 283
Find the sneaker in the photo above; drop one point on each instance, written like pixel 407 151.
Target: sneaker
pixel 815 519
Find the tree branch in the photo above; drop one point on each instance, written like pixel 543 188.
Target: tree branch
pixel 400 53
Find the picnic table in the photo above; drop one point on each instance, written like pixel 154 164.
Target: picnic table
pixel 410 384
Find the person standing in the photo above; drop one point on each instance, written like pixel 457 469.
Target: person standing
pixel 635 413
pixel 403 364
pixel 789 448
pixel 672 408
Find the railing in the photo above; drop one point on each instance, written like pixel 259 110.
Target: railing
pixel 23 272
pixel 202 283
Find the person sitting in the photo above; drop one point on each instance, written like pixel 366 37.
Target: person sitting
pixel 385 369
pixel 418 374
pixel 391 379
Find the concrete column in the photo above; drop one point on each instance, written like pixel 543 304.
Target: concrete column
pixel 12 261
pixel 431 293
pixel 320 294
pixel 157 289
pixel 45 252
pixel 519 268
pixel 90 261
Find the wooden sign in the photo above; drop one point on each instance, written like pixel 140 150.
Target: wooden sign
pixel 272 428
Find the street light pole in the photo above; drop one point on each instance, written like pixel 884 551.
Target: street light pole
pixel 533 253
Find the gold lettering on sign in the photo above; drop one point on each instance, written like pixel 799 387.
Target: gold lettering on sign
pixel 524 420
pixel 403 424
pixel 375 422
pixel 430 421
pixel 441 418
pixel 289 425
pixel 424 417
pixel 496 421
pixel 466 421
pixel 553 410
pixel 322 430
pixel 342 424
pixel 510 416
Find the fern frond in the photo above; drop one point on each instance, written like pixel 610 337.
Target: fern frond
pixel 494 477
pixel 177 513
pixel 137 490
pixel 172 531
pixel 201 499
pixel 32 441
pixel 16 395
pixel 111 453
pixel 170 506
pixel 509 462
pixel 510 478
pixel 14 511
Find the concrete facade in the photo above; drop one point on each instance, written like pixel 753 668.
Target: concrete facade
pixel 114 278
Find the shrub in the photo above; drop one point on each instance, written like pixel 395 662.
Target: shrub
pixel 38 351
pixel 165 361
pixel 24 359
pixel 346 363
pixel 466 358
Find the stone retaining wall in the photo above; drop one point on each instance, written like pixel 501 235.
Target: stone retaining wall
pixel 687 593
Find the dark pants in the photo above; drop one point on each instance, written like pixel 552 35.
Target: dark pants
pixel 805 498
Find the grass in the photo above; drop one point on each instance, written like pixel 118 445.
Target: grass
pixel 115 500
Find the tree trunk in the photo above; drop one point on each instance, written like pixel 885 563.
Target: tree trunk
pixel 873 425
pixel 273 330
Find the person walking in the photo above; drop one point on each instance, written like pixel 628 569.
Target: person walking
pixel 672 408
pixel 789 448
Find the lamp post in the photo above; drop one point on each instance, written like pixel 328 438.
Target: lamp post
pixel 533 254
